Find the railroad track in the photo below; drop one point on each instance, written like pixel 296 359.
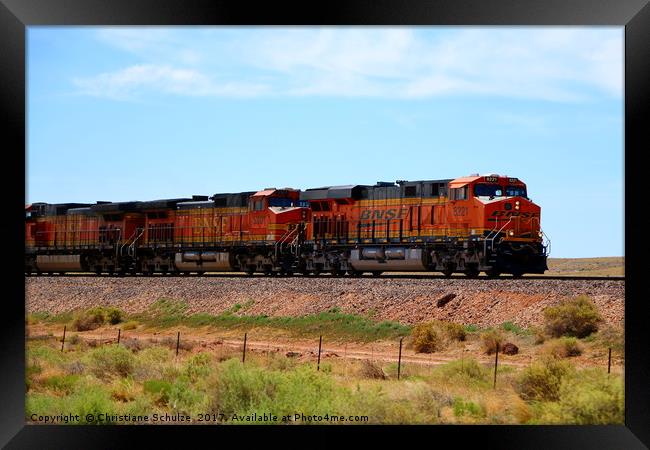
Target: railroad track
pixel 408 276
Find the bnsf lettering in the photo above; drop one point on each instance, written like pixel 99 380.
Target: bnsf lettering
pixel 379 214
pixel 525 215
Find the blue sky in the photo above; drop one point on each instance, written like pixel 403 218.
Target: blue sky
pixel 126 113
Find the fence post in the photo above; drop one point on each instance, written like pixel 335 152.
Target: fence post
pixel 609 361
pixel 178 341
pixel 119 332
pixel 496 362
pixel 63 340
pixel 320 344
pixel 399 358
pixel 243 358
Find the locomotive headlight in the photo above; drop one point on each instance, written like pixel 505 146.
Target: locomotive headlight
pixel 511 233
pixel 539 233
pixel 517 204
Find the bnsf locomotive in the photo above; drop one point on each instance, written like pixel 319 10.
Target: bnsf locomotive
pixel 469 225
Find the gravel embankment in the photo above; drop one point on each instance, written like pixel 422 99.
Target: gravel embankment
pixel 479 302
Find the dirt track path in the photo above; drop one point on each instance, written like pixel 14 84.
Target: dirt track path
pixel 223 343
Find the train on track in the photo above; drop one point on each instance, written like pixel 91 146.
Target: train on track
pixel 465 225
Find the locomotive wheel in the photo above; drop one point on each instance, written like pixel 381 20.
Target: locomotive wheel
pixel 492 273
pixel 355 273
pixel 472 272
pixel 376 273
pixel 517 274
pixel 447 273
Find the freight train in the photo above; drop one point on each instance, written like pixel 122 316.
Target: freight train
pixel 465 225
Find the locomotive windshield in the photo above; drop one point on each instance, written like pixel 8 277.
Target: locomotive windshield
pixel 287 202
pixel 488 190
pixel 516 191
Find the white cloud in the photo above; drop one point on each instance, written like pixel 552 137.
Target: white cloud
pixel 124 83
pixel 547 63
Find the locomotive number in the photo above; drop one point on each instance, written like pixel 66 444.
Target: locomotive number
pixel 460 210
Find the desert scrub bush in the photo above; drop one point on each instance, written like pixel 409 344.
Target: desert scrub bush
pixel 542 380
pixel 490 339
pixel 133 344
pixel 563 347
pixel 467 408
pixel 240 389
pixel 469 369
pixel 591 397
pixel 369 369
pixel 111 360
pixel 130 325
pixel 613 337
pixel 158 389
pixel 278 361
pixel 183 398
pixel 96 317
pixel 155 362
pixel 123 390
pixel 578 317
pixel 426 338
pixel 429 337
pixel 455 331
pixel 514 328
pixel 538 336
pixel 198 366
pixel 60 383
pixel 83 401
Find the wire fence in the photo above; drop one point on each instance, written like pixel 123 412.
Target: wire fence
pixel 224 347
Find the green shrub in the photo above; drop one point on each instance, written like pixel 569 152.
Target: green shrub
pixel 578 317
pixel 111 360
pixel 465 368
pixel 198 366
pixel 467 408
pixel 96 317
pixel 185 399
pixel 61 383
pixel 159 389
pixel 513 328
pixel 563 347
pixel 426 338
pixel 455 331
pixel 130 325
pixel 490 339
pixel 591 397
pixel 542 380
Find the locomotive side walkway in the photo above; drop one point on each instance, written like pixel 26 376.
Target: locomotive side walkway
pixel 479 302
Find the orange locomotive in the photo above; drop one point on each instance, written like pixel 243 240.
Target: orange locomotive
pixel 468 225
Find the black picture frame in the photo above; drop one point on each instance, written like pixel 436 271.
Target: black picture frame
pixel 634 15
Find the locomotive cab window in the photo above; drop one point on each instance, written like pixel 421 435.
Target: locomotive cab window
pixel 258 205
pixel 280 202
pixel 516 191
pixel 459 193
pixel 488 190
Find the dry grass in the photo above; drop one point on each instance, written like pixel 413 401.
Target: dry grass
pixel 595 267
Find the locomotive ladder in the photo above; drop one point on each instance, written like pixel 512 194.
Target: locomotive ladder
pixel 292 239
pixel 492 236
pixel 130 243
